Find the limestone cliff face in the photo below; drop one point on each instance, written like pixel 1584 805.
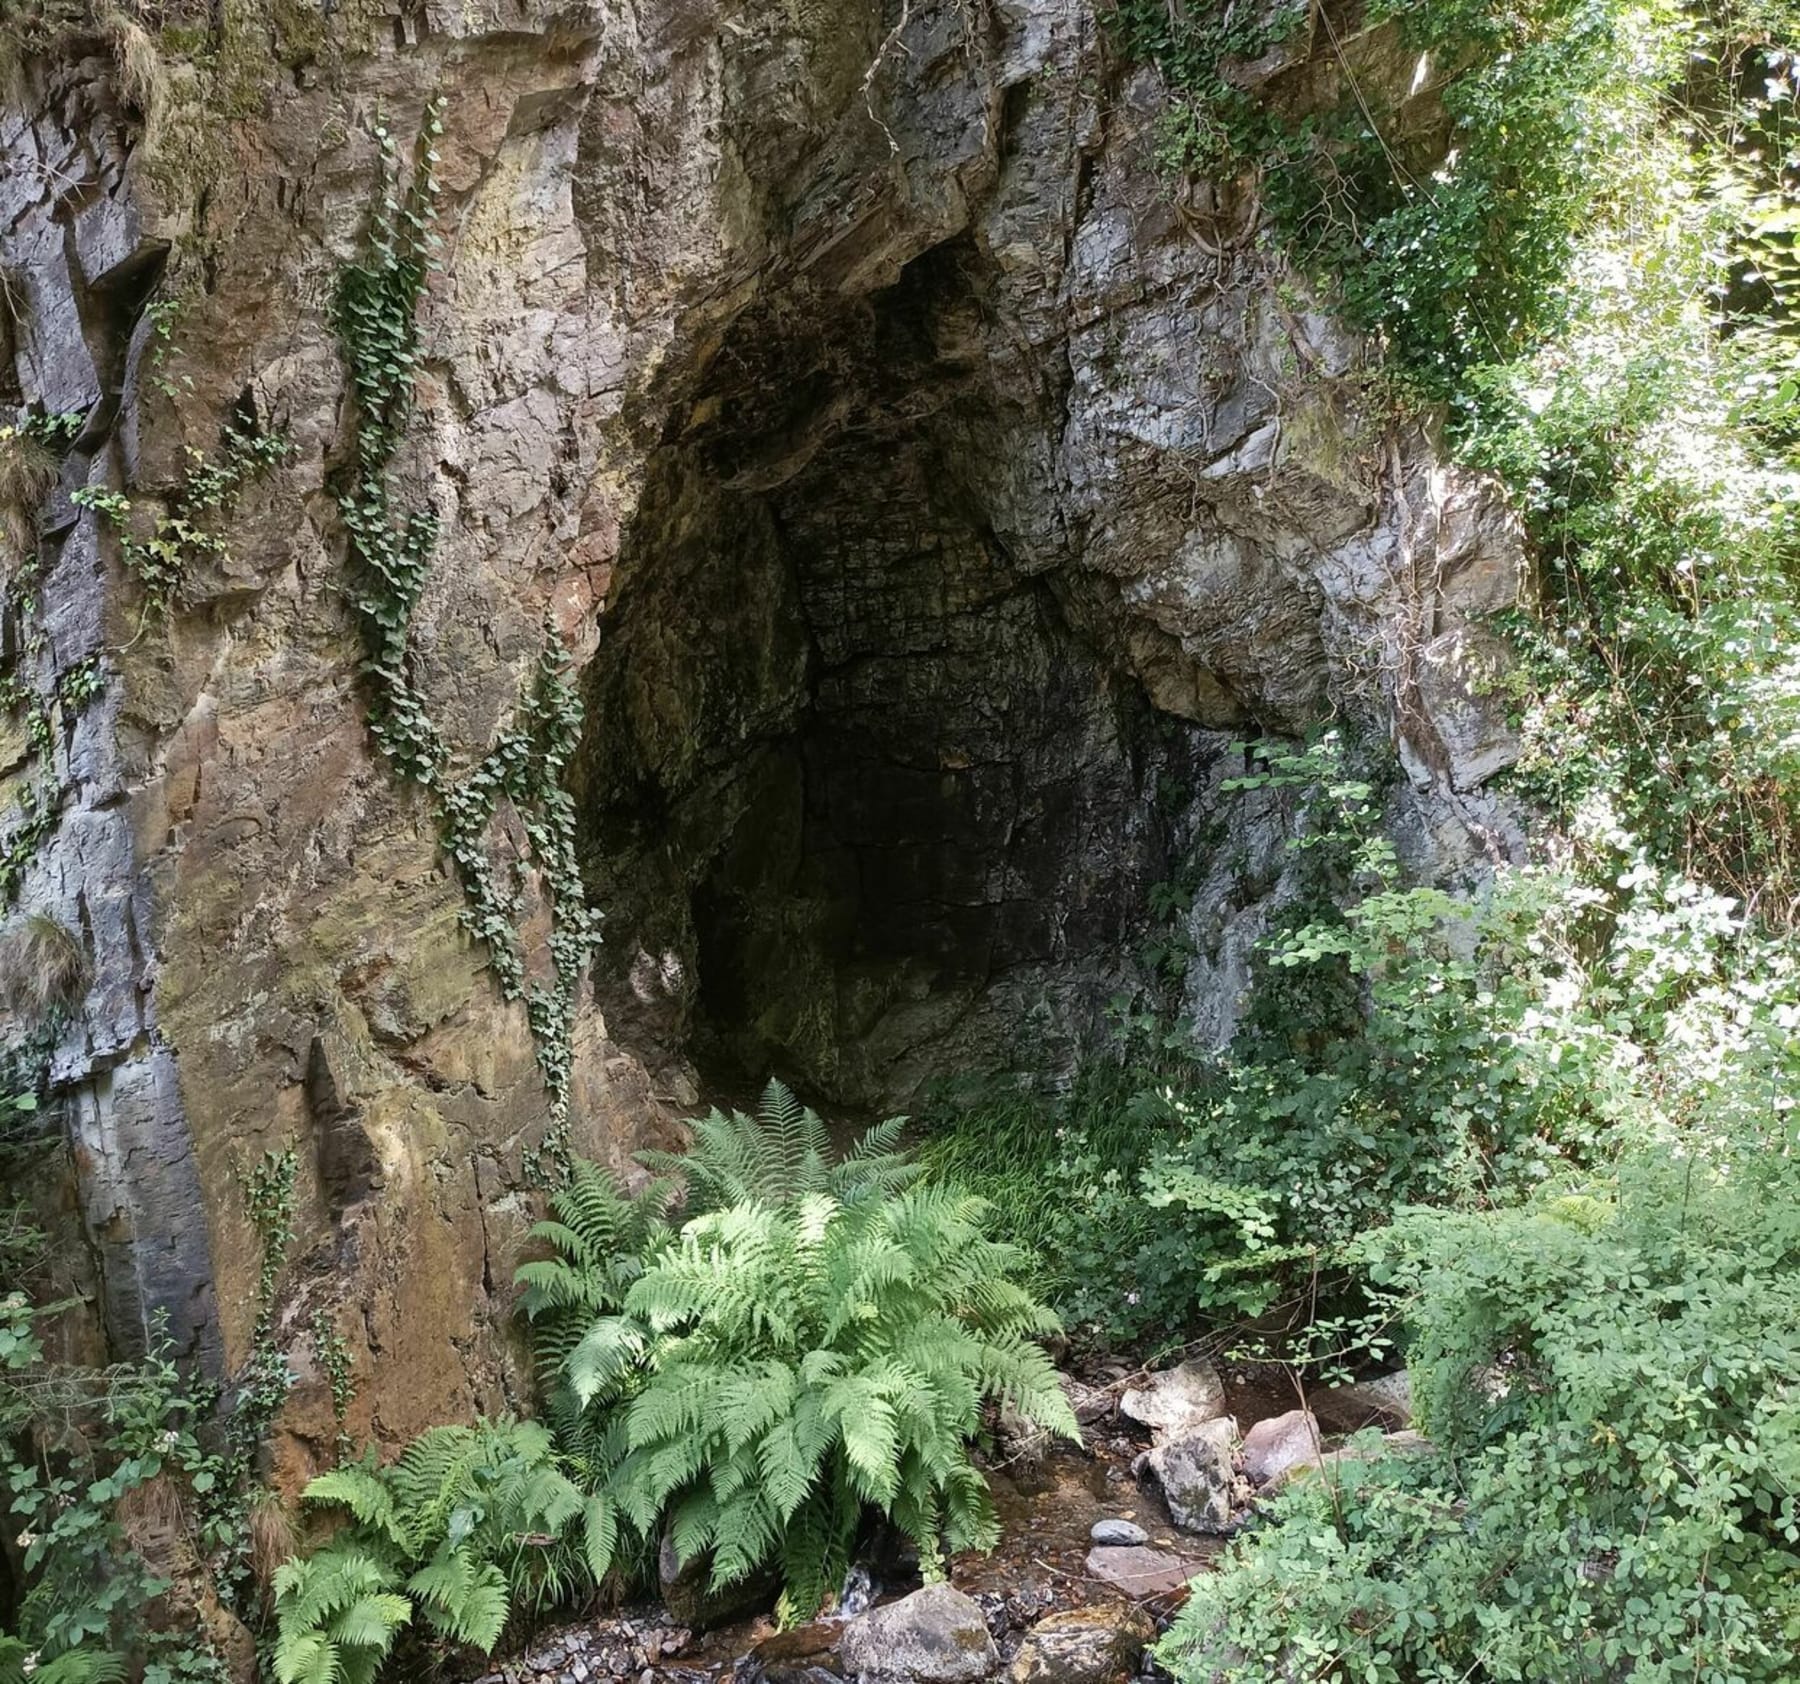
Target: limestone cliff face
pixel 927 490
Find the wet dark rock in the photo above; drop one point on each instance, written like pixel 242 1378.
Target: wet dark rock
pixel 1385 1402
pixel 692 1602
pixel 1089 1403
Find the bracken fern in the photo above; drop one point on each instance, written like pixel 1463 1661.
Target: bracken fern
pixel 468 1523
pixel 818 1346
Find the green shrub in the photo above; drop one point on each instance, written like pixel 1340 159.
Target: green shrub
pixel 468 1523
pixel 1612 1378
pixel 1060 1179
pixel 1452 261
pixel 819 1348
pixel 79 1448
pixel 1387 1056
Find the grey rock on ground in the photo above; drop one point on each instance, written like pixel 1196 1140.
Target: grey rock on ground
pixel 1090 1403
pixel 1196 1476
pixel 1281 1442
pixel 1385 1402
pixel 1142 1572
pixel 1118 1534
pixel 687 1595
pixel 1403 1443
pixel 935 1636
pixel 1172 1404
pixel 1098 1644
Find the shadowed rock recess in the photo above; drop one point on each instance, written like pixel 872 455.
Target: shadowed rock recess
pixel 864 790
pixel 925 490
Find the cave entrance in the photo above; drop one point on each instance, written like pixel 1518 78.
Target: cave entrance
pixel 862 801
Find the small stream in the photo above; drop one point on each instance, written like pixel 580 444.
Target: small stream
pixel 1048 1503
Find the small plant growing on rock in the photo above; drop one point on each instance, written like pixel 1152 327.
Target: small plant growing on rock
pixel 44 969
pixel 468 1522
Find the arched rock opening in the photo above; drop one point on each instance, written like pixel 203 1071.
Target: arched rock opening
pixel 862 795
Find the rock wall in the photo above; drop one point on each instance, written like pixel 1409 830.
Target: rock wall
pixel 929 491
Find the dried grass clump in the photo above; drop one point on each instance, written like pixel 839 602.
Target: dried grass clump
pixel 143 77
pixel 27 471
pixel 43 968
pixel 274 1538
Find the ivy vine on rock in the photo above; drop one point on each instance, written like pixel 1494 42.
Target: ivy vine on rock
pixel 185 533
pixel 375 312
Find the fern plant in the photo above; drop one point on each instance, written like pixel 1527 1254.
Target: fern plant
pixel 598 1238
pixel 817 1344
pixel 780 1155
pixel 468 1523
pixel 19 1663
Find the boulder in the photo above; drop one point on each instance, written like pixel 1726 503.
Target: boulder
pixel 1177 1401
pixel 1118 1534
pixel 1196 1476
pixel 1089 1403
pixel 1384 1402
pixel 1281 1442
pixel 1142 1572
pixel 935 1636
pixel 1019 1439
pixel 1099 1644
pixel 690 1600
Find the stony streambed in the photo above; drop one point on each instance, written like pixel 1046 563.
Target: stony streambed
pixel 1097 1545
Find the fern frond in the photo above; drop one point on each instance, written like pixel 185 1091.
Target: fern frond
pixel 359 1491
pixel 599 1534
pixel 607 1354
pixel 306 1658
pixel 370 1622
pixel 444 1580
pixel 78 1666
pixel 746 1533
pixel 479 1619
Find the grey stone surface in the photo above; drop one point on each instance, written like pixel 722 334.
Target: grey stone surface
pixel 1385 1401
pixel 1118 1534
pixel 687 1594
pixel 1177 1401
pixel 925 505
pixel 1281 1442
pixel 1089 1403
pixel 934 1636
pixel 1143 1572
pixel 1195 1473
pixel 1102 1643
